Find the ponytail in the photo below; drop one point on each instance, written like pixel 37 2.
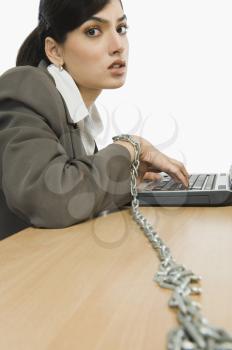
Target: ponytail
pixel 31 50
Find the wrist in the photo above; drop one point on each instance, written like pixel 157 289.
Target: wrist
pixel 132 143
pixel 129 147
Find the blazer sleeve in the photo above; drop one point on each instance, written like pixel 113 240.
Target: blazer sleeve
pixel 41 183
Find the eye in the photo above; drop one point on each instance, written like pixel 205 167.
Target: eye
pixel 91 30
pixel 126 28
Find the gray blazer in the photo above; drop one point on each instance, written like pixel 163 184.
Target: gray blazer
pixel 47 180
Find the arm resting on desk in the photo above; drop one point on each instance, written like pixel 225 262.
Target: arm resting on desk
pixel 42 184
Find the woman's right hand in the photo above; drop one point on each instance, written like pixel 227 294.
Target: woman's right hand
pixel 152 162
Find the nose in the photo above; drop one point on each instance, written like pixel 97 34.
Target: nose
pixel 116 43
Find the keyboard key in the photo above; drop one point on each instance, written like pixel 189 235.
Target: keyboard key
pixel 222 187
pixel 209 182
pixel 168 185
pixel 177 187
pixel 192 180
pixel 182 187
pixel 199 182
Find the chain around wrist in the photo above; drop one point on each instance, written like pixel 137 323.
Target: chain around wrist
pixel 134 168
pixel 137 149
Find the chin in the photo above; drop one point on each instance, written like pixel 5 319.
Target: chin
pixel 115 84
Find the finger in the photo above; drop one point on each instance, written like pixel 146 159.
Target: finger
pixel 151 176
pixel 183 177
pixel 181 165
pixel 183 180
pixel 178 175
pixel 184 171
pixel 179 172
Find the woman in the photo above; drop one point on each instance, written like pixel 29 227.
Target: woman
pixel 52 172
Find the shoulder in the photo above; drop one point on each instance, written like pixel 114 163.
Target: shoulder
pixel 24 75
pixel 27 71
pixel 28 84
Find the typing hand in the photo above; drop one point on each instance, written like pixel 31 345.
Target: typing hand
pixel 152 161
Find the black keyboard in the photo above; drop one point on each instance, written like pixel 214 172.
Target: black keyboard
pixel 196 182
pixel 207 189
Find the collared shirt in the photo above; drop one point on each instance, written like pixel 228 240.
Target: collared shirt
pixel 88 120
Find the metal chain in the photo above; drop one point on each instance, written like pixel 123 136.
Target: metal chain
pixel 194 331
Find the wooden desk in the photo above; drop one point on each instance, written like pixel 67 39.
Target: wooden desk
pixel 90 287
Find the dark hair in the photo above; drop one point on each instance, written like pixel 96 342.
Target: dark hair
pixel 56 19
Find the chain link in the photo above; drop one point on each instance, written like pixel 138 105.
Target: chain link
pixel 194 331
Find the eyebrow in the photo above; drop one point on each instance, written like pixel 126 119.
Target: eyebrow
pixel 102 20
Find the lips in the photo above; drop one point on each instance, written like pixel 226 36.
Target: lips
pixel 120 63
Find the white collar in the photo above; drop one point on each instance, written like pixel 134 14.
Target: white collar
pixel 89 121
pixel 71 94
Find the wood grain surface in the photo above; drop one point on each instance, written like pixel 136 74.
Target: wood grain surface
pixel 90 286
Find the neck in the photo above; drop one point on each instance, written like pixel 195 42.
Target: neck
pixel 89 95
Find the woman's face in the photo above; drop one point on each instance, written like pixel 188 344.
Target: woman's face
pixel 90 49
